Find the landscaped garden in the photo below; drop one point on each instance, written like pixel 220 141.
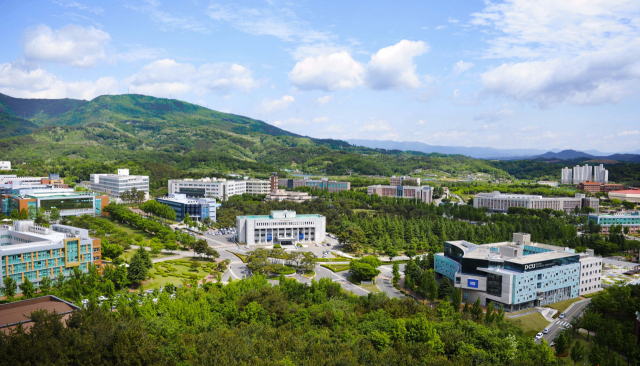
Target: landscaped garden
pixel 182 271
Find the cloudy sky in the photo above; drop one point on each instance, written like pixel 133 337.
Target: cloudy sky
pixel 514 74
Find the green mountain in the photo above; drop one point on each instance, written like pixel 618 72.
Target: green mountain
pixel 192 138
pixel 11 125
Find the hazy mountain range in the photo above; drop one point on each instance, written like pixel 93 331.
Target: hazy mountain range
pixel 493 153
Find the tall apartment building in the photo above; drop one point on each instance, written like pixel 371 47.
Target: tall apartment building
pixel 424 193
pixel 281 227
pixel 582 173
pixel 626 220
pixel 397 181
pixel 66 200
pixel 518 274
pixel 324 183
pixel 114 185
pixel 32 251
pixel 600 174
pixel 501 202
pixel 566 176
pixel 258 186
pixel 221 188
pixel 5 165
pixel 197 208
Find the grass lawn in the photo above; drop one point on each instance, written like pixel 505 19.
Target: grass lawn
pixel 132 230
pixel 371 288
pixel 309 274
pixel 179 267
pixel 563 305
pixel 336 267
pixel 129 253
pixel 531 324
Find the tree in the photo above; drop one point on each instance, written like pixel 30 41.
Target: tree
pixel 45 285
pixel 563 342
pixel 352 237
pixel 200 247
pixel 54 216
pixel 60 281
pixel 629 205
pixel 28 290
pixel 362 271
pixel 596 356
pixel 139 266
pixel 577 352
pixel 32 212
pixel 156 246
pixel 10 287
pixel 170 245
pixel 396 274
pixel 456 298
pixel 488 318
pixel 476 311
pixel 112 251
pixel 15 215
pixel 211 253
pixel 24 214
pixel 445 289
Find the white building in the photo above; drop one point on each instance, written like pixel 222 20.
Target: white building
pixel 281 227
pixel 221 189
pixel 566 176
pixel 5 165
pixel 600 174
pixel 114 185
pixel 496 201
pixel 582 174
pixel 258 186
pixel 548 183
pixel 590 273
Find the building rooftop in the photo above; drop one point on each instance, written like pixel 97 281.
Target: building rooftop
pixel 19 312
pixel 628 191
pixel 537 257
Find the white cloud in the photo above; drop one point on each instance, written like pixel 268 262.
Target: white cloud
pixel 38 83
pixel 441 27
pixel 75 4
pixel 324 100
pixel 328 73
pixel 270 106
pixel 137 53
pixel 491 115
pixel 456 93
pixel 291 122
pixel 393 67
pixel 71 45
pixel 376 125
pixel 461 67
pixel 320 119
pixel 574 51
pixel 167 76
pixel 421 122
pixel 628 133
pixel 453 20
pixel 169 20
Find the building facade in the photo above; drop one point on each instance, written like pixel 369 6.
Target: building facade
pixel 517 275
pixel 283 195
pixel 397 181
pixel 548 183
pixel 589 186
pixel 114 185
pixel 196 208
pixel 324 183
pixel 5 165
pixel 631 195
pixel 220 189
pixel 600 174
pixel 258 186
pixel 582 173
pixel 281 227
pixel 626 220
pixel 590 273
pixel 31 251
pixel 566 176
pixel 66 200
pixel 501 202
pixel 424 193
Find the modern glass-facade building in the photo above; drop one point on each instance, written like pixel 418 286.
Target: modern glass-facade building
pixel 197 208
pixel 518 274
pixel 31 251
pixel 630 220
pixel 66 200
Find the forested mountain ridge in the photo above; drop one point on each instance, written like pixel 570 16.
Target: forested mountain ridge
pixel 191 137
pixel 11 125
pixel 37 109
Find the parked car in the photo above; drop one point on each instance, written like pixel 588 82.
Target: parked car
pixel 102 298
pixel 538 336
pixel 545 331
pixel 562 316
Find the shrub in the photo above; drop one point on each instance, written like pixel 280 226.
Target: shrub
pixel 277 246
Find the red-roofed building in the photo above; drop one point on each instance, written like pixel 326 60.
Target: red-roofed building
pixel 631 195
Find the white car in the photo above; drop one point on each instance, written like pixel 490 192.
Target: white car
pixel 562 316
pixel 545 331
pixel 102 298
pixel 538 336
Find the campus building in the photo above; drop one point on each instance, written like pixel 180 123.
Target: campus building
pixel 197 208
pixel 114 185
pixel 424 193
pixel 595 187
pixel 12 184
pixel 5 165
pixel 32 251
pixel 626 220
pixel 397 181
pixel 66 200
pixel 324 183
pixel 219 188
pixel 518 274
pixel 548 183
pixel 258 186
pixel 282 195
pixel 631 195
pixel 281 227
pixel 501 202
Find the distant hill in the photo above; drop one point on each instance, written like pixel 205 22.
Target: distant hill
pixel 474 152
pixel 573 154
pixel 37 109
pixel 14 126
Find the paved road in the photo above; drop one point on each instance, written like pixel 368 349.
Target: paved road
pixel 559 324
pixel 619 263
pixel 342 278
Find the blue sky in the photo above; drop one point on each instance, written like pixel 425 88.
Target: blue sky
pixel 514 74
